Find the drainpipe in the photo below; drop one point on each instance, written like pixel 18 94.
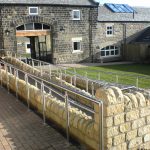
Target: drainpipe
pixel 124 39
pixel 90 35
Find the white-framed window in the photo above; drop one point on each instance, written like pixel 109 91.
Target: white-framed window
pixel 33 10
pixel 109 30
pixel 110 51
pixel 76 44
pixel 76 14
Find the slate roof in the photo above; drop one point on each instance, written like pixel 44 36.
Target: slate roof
pixel 141 15
pixel 144 37
pixel 52 2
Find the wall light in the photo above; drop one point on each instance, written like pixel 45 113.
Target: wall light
pixel 7 32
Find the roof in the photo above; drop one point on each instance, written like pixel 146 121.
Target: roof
pixel 144 37
pixel 141 14
pixel 52 2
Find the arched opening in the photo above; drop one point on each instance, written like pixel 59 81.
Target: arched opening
pixel 110 51
pixel 34 40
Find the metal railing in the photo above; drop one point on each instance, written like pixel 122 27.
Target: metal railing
pixel 117 78
pixel 74 75
pixel 45 89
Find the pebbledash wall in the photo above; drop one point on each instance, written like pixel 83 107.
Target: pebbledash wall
pixel 57 16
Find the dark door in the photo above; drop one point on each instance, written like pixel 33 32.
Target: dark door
pixel 42 51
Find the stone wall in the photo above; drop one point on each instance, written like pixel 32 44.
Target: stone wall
pixel 56 17
pixel 123 34
pixel 126 119
pixel 81 125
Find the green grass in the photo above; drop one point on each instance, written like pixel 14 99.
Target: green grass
pixel 124 74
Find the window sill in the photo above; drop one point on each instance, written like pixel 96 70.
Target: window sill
pixel 77 51
pixel 110 56
pixel 110 35
pixel 76 19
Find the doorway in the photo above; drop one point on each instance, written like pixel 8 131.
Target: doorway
pixel 34 40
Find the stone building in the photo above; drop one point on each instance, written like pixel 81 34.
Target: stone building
pixel 117 33
pixel 55 31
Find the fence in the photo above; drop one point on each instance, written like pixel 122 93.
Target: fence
pixel 42 85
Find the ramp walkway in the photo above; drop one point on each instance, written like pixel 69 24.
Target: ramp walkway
pixel 21 129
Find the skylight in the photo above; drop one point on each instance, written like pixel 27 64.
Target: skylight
pixel 119 8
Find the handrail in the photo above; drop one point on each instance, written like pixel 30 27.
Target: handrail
pixel 68 101
pixel 64 71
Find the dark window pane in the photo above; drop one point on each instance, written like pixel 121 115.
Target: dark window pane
pixel 107 48
pixel 20 27
pixel 116 52
pixel 76 45
pixel 33 10
pixel 112 52
pixel 46 27
pixel 37 26
pixel 29 26
pixel 102 53
pixel 107 53
pixel 76 14
pixel 111 47
pixel 28 46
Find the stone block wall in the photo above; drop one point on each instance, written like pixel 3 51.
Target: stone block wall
pixel 126 119
pixel 123 34
pixel 57 17
pixel 81 124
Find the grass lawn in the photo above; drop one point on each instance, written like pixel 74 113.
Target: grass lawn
pixel 132 74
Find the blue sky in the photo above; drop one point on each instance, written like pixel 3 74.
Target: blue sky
pixel 145 3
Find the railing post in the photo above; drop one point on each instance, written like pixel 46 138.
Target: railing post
pixel 87 84
pixel 27 90
pixel 26 60
pixel 71 78
pixel 75 80
pixel 117 78
pixel 10 69
pixel 92 86
pixel 41 69
pixel 33 65
pixel 65 73
pixel 137 82
pixel 61 78
pixel 36 84
pixel 7 79
pixel 101 123
pixel 16 82
pixel 43 101
pixel 50 72
pixel 1 76
pixel 99 76
pixel 67 114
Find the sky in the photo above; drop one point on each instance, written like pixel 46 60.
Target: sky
pixel 145 3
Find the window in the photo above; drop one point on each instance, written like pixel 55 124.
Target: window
pixel 33 10
pixel 76 42
pixel 76 14
pixel 110 51
pixel 109 30
pixel 33 26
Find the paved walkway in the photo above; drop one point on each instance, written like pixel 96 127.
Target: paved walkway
pixel 80 65
pixel 23 130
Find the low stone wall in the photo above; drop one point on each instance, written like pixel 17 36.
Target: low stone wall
pixel 29 69
pixel 81 125
pixel 126 119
